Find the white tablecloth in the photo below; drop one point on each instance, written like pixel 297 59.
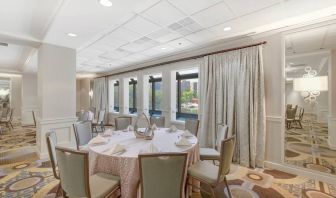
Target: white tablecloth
pixel 126 164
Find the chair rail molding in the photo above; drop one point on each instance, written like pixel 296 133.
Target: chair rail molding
pixel 274 119
pixel 64 132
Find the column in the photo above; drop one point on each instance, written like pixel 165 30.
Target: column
pixel 29 98
pixel 332 102
pixel 56 91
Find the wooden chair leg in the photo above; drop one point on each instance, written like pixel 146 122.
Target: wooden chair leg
pixel 227 187
pixel 58 189
pixel 11 125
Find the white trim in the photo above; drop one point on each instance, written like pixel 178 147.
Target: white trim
pixel 274 119
pixel 324 177
pixel 57 120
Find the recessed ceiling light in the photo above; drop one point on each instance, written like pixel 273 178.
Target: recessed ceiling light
pixel 106 3
pixel 163 48
pixel 72 35
pixel 227 29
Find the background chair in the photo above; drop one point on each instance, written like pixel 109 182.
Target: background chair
pixel 100 122
pixel 162 175
pixel 192 126
pixel 122 123
pixel 83 116
pixel 211 175
pixel 51 140
pixel 8 120
pixel 83 133
pixel 73 168
pixel 214 154
pixel 159 121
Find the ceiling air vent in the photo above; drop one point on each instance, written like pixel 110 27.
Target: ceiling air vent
pixel 4 44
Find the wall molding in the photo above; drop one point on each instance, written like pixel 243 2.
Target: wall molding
pixel 327 178
pixel 274 119
pixel 57 120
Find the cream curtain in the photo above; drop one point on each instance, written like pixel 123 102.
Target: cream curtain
pixel 232 92
pixel 100 95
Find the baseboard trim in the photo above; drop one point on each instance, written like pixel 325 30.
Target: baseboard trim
pixel 302 172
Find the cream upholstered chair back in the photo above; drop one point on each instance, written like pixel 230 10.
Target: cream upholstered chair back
pixel 122 123
pixel 101 116
pixel 192 126
pixel 73 168
pixel 83 133
pixel 226 154
pixel 162 175
pixel 51 140
pixel 222 134
pixel 159 121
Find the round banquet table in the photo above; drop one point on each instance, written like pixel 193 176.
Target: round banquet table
pixel 125 164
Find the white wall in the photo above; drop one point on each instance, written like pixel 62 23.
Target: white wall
pixel 84 93
pixel 29 98
pixel 16 95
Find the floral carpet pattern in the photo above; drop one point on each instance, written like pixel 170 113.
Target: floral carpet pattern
pixel 309 148
pixel 23 174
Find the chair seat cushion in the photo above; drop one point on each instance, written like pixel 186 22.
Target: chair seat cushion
pixel 204 171
pixel 101 184
pixel 209 154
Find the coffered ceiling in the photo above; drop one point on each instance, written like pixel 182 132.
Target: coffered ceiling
pixel 136 31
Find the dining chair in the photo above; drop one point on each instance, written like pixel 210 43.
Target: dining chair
pixel 211 175
pixel 83 116
pixel 213 154
pixel 162 175
pixel 83 134
pixel 51 141
pixel 122 123
pixel 8 120
pixel 192 126
pixel 100 122
pixel 298 118
pixel 4 113
pixel 159 121
pixel 73 166
pixel 290 117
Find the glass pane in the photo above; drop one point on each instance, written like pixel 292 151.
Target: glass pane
pixel 158 95
pixel 189 96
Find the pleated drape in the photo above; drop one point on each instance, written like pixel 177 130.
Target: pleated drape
pixel 100 95
pixel 232 93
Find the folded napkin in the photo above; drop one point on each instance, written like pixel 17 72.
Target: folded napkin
pixel 98 140
pixel 118 148
pixel 150 149
pixel 129 128
pixel 187 134
pixel 172 128
pixel 183 142
pixel 108 133
pixel 154 127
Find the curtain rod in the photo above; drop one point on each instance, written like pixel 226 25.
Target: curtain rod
pixel 185 59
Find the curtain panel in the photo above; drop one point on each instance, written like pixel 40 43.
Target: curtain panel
pixel 232 93
pixel 100 95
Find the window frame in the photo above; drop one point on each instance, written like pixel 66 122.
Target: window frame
pixel 116 108
pixel 152 82
pixel 133 83
pixel 179 78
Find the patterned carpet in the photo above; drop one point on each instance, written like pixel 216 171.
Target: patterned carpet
pixel 309 149
pixel 22 174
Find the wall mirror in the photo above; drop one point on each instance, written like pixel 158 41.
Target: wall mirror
pixel 310 99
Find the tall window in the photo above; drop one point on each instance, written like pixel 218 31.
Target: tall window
pixel 116 96
pixel 155 94
pixel 187 94
pixel 132 95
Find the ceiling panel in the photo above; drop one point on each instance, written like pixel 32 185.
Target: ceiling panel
pixel 164 35
pixel 141 26
pixel 242 7
pixel 163 13
pixel 192 6
pixel 214 15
